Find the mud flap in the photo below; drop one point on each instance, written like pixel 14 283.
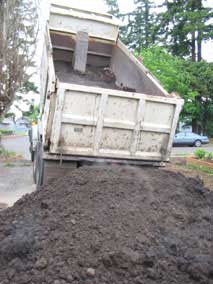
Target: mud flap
pixel 38 166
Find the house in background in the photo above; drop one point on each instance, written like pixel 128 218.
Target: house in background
pixel 23 122
pixel 21 125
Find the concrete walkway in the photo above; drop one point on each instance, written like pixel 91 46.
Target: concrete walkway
pixel 16 180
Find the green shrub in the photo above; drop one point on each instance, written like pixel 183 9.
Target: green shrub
pixel 6 154
pixel 209 156
pixel 6 132
pixel 200 153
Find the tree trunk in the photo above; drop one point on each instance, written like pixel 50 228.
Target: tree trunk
pixel 199 48
pixel 199 36
pixel 1 34
pixel 194 125
pixel 193 47
pixel 147 24
pixel 205 120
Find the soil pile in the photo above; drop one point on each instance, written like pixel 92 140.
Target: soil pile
pixel 110 225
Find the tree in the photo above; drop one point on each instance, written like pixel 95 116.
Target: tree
pixel 202 81
pixel 140 30
pixel 141 27
pixel 184 26
pixel 193 81
pixel 113 7
pixel 24 101
pixel 17 40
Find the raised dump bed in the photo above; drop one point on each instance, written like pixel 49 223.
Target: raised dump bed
pixel 98 101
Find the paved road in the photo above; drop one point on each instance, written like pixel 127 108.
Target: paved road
pixel 178 151
pixel 20 145
pixel 16 177
pixel 16 180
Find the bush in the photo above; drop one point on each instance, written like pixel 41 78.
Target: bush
pixel 6 132
pixel 200 153
pixel 6 154
pixel 210 156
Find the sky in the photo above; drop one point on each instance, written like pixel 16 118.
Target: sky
pixel 127 6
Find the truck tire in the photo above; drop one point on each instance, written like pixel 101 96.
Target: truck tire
pixel 38 166
pixel 32 155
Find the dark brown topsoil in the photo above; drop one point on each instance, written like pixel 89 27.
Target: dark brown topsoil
pixel 93 77
pixel 106 225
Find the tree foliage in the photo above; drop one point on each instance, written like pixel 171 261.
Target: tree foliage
pixel 32 114
pixel 113 7
pixel 193 81
pixel 17 40
pixel 141 27
pixel 184 26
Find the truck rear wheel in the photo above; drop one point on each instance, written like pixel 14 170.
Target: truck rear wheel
pixel 32 155
pixel 38 166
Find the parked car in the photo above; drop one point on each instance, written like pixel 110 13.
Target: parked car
pixel 190 139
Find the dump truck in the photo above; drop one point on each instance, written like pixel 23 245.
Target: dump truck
pixel 99 104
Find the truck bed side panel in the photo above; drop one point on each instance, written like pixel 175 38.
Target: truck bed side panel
pixel 109 123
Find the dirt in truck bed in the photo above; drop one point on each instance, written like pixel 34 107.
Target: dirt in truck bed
pixel 110 225
pixel 93 77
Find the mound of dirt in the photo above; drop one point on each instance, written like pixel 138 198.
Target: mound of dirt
pixel 110 225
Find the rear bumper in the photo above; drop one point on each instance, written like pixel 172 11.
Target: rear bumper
pixel 100 160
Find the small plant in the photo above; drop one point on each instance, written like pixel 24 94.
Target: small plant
pixel 9 165
pixel 7 154
pixel 6 132
pixel 200 154
pixel 209 156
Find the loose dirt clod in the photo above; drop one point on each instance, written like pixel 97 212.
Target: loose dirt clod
pixel 91 272
pixel 132 226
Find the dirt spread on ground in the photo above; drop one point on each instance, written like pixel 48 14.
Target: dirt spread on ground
pixel 182 168
pixel 110 225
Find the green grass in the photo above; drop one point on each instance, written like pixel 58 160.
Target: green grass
pixel 6 132
pixel 6 154
pixel 9 165
pixel 181 155
pixel 202 169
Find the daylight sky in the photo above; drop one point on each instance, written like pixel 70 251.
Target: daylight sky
pixel 127 6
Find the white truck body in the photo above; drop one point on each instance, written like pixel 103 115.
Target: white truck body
pixel 133 122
